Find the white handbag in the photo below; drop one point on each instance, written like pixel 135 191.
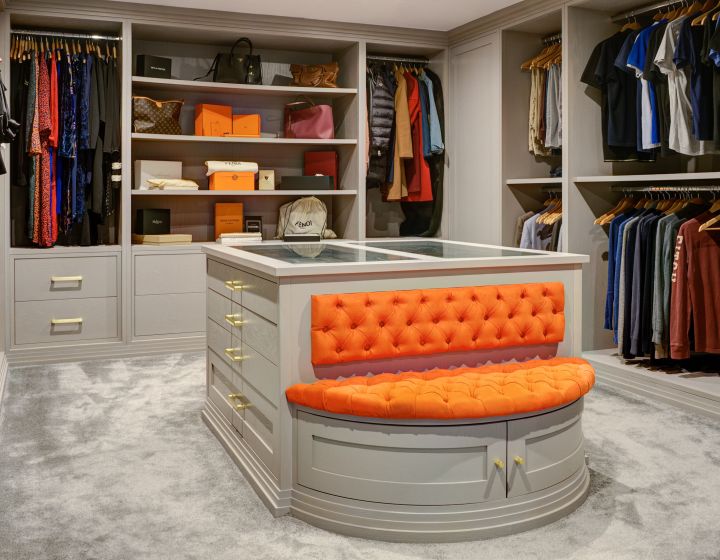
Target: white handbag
pixel 305 216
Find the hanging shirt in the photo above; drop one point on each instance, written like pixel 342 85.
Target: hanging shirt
pixel 665 238
pixel 688 55
pixel 681 138
pixel 436 140
pixel 647 121
pixel 660 84
pixel 695 300
pixel 553 108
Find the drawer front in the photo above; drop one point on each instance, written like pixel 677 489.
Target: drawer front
pixel 169 314
pixel 397 465
pixel 65 278
pixel 220 385
pixel 256 331
pixel 218 339
pixel 261 373
pixel 169 274
pixel 217 276
pixel 66 321
pixel 260 427
pixel 218 307
pixel 256 294
pixel 544 450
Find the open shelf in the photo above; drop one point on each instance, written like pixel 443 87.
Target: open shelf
pixel 162 84
pixel 535 181
pixel 235 140
pixel 650 178
pixel 279 192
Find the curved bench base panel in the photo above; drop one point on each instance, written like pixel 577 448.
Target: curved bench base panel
pixel 442 523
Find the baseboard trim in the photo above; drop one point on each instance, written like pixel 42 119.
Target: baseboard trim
pixel 84 352
pixel 613 373
pixel 264 484
pixel 4 367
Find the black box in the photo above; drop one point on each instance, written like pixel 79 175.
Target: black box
pixel 153 66
pixel 307 183
pixel 152 221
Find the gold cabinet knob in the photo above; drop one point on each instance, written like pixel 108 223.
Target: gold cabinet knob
pixel 230 353
pixel 519 460
pixel 499 463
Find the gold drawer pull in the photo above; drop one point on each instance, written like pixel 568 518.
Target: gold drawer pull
pixel 499 463
pixel 58 279
pixel 243 406
pixel 519 460
pixel 73 321
pixel 234 319
pixel 235 396
pixel 230 353
pixel 234 285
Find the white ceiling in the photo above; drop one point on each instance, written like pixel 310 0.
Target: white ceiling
pixel 438 15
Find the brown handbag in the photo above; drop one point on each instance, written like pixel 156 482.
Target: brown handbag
pixel 315 75
pixel 156 117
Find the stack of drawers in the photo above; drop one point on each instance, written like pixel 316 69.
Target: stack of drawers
pixel 68 299
pixel 243 356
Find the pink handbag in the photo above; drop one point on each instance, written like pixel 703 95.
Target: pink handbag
pixel 303 119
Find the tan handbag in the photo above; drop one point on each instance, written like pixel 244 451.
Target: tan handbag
pixel 315 75
pixel 156 117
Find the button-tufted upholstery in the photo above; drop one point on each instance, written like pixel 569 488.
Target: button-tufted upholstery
pixel 376 325
pixel 496 390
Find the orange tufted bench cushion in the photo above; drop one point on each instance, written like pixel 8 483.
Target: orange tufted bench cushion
pixel 495 390
pixel 376 325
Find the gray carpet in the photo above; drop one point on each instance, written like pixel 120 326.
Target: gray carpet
pixel 110 460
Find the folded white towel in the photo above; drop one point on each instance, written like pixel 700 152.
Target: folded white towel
pixel 236 166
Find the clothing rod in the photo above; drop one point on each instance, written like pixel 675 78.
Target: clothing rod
pixel 555 37
pixel 644 10
pixel 409 60
pixel 35 32
pixel 671 188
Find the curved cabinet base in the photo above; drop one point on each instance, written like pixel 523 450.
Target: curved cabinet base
pixel 442 524
pixel 405 481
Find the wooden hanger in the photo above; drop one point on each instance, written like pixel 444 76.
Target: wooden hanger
pixel 706 9
pixel 714 220
pixel 631 24
pixel 528 64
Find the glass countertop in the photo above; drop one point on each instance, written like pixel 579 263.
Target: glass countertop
pixel 446 250
pixel 306 253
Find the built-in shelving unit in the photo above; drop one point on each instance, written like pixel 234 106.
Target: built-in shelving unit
pixel 656 178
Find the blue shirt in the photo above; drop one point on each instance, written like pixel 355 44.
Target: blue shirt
pixel 436 140
pixel 636 60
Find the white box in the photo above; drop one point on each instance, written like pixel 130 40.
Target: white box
pixel 266 180
pixel 149 169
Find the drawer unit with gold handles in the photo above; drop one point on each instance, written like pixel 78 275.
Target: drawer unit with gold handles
pixel 40 279
pixel 66 321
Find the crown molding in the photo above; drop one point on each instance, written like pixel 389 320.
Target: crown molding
pixel 118 11
pixel 512 15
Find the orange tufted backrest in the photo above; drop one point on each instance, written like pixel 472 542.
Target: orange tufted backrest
pixel 377 325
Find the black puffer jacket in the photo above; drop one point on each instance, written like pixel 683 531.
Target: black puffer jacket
pixel 381 108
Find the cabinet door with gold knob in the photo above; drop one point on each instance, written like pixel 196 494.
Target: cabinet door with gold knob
pixel 544 450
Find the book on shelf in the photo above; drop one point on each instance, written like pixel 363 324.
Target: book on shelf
pixel 239 238
pixel 162 239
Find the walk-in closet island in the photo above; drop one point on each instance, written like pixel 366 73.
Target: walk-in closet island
pixel 289 319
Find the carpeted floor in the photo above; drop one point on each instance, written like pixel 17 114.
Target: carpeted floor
pixel 110 460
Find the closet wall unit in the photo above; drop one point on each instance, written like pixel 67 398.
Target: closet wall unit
pixel 153 297
pixel 515 185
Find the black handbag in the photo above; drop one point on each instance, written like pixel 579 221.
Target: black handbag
pixel 230 68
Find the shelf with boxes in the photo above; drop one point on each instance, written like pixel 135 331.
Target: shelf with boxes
pixel 246 122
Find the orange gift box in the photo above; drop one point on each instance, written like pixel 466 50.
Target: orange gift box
pixel 213 120
pixel 246 125
pixel 232 181
pixel 228 218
